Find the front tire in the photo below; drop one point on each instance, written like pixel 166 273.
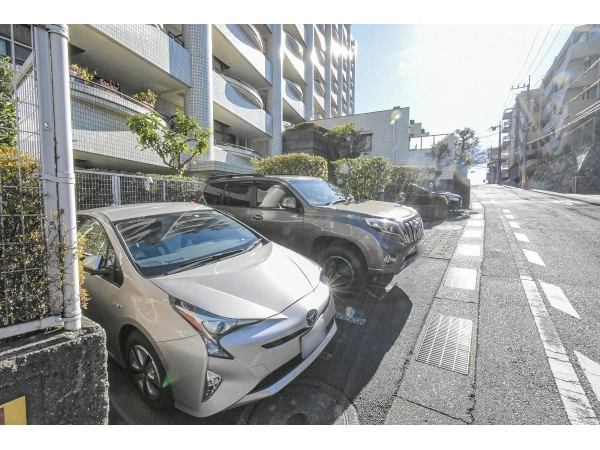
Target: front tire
pixel 147 372
pixel 345 267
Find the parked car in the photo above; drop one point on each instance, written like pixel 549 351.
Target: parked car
pixel 205 313
pixel 454 200
pixel 352 240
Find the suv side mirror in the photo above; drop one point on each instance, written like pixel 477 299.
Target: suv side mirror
pixel 289 203
pixel 91 264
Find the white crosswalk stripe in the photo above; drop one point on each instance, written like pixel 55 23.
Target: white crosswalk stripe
pixel 534 258
pixel 521 237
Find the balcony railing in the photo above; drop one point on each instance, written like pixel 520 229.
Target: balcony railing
pixel 296 89
pixel 253 34
pixel 294 45
pixel 239 150
pixel 243 88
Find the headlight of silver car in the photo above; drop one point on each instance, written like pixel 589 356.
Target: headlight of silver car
pixel 211 327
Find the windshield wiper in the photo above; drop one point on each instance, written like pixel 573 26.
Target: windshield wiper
pixel 254 244
pixel 202 261
pixel 335 202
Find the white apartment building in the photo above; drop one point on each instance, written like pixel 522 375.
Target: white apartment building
pixel 554 118
pixel 242 81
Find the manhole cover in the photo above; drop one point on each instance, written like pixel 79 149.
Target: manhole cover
pixel 303 402
pixel 447 343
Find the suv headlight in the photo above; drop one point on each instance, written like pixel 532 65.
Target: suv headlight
pixel 384 225
pixel 211 328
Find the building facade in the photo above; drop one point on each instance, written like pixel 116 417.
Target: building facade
pixel 242 81
pixel 556 118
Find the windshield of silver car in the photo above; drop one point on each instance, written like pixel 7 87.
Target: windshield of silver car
pixel 168 243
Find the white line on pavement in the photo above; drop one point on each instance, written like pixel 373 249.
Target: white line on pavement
pixel 510 216
pixel 521 237
pixel 534 258
pixel 592 372
pixel 514 224
pixel 469 250
pixel 474 223
pixel 506 211
pixel 558 299
pixel 576 404
pixel 473 233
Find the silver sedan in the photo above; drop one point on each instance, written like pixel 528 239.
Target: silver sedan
pixel 205 313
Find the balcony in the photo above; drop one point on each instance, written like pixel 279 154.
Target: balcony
pixel 507 113
pixel 237 104
pixel 292 44
pixel 293 108
pixel 226 158
pixel 118 54
pixel 101 137
pixel 293 63
pixel 319 88
pixel 243 88
pixel 253 35
pixel 232 45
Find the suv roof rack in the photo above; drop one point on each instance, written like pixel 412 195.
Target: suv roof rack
pixel 219 177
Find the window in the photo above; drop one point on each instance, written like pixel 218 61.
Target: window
pixel 590 93
pixel 238 194
pixel 270 194
pixel 96 243
pixel 214 193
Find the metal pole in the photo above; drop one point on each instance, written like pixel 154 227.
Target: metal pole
pixel 524 180
pixel 59 36
pixel 499 164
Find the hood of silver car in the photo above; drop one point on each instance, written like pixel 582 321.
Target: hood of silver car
pixel 377 209
pixel 253 285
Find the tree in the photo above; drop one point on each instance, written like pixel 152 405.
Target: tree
pixel 345 141
pixel 465 144
pixel 176 146
pixel 440 152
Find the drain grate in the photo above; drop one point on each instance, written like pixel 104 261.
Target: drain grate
pixel 447 343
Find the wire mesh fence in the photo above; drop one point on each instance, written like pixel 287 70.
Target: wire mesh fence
pixel 26 292
pixel 98 189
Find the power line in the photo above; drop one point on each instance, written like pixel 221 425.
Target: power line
pixel 555 37
pixel 540 49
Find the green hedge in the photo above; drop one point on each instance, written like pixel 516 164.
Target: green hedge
pixel 364 176
pixel 425 199
pixel 402 176
pixel 292 164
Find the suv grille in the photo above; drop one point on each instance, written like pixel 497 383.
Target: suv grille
pixel 413 230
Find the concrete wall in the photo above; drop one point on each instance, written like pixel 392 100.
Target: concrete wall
pixel 305 141
pixel 61 375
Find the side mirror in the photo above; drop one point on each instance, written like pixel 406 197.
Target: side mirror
pixel 91 264
pixel 289 203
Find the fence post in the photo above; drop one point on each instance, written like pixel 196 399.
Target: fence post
pixel 65 174
pixel 164 189
pixel 116 188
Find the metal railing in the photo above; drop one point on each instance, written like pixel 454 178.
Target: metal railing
pixel 94 189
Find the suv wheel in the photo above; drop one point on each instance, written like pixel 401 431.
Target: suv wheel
pixel 345 268
pixel 147 372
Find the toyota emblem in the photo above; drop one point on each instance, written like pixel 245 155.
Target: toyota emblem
pixel 311 317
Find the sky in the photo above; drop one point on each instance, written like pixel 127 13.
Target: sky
pixel 452 76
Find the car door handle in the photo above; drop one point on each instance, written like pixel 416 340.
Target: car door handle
pixel 257 217
pixel 117 305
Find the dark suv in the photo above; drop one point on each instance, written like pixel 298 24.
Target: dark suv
pixel 352 240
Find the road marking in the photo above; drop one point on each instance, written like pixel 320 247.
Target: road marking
pixel 474 223
pixel 576 404
pixel 461 278
pixel 476 217
pixel 506 211
pixel 534 258
pixel 558 299
pixel 473 233
pixel 355 320
pixel 591 370
pixel 521 237
pixel 510 216
pixel 514 224
pixel 469 250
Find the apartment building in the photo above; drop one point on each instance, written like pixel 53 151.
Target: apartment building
pixel 243 81
pixel 556 118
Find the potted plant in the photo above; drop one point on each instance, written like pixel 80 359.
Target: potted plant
pixel 108 85
pixel 77 71
pixel 148 97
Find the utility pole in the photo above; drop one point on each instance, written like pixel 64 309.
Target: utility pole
pixel 524 170
pixel 499 163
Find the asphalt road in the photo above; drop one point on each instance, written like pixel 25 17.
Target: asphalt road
pixel 530 358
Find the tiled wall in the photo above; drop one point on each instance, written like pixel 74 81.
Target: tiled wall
pixel 152 44
pixel 383 132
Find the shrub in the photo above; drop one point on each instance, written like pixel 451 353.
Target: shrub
pixel 363 177
pixel 292 164
pixel 83 73
pixel 402 176
pixel 425 199
pixel 147 97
